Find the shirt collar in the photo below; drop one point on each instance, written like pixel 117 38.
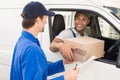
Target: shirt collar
pixel 77 34
pixel 29 36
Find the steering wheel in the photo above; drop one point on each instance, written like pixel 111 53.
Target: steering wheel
pixel 113 46
pixel 118 59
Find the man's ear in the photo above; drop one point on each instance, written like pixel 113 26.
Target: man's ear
pixel 38 19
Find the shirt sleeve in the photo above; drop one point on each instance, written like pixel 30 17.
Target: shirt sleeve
pixel 55 67
pixel 59 78
pixel 65 34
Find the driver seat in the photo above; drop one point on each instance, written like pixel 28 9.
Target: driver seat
pixel 58 25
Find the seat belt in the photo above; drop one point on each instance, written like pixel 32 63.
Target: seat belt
pixel 73 33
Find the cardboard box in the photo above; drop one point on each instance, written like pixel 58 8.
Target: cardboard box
pixel 86 47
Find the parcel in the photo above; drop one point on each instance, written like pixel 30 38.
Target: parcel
pixel 86 47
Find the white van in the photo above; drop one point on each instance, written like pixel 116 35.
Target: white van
pixel 104 25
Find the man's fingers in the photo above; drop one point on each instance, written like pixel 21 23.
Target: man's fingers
pixel 68 57
pixel 78 70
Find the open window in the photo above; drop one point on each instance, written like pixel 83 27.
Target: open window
pixel 111 38
pixel 99 26
pixel 67 21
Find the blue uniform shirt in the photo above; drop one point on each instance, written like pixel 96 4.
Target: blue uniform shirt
pixel 29 61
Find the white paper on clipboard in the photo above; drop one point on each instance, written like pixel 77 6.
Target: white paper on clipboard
pixel 83 64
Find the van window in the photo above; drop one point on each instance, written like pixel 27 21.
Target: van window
pixel 100 28
pixel 68 17
pixel 115 11
pixel 68 20
pixel 107 30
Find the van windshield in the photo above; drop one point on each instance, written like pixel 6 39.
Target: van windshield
pixel 115 12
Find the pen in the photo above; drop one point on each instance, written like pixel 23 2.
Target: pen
pixel 75 66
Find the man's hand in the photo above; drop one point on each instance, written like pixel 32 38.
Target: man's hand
pixel 71 74
pixel 66 51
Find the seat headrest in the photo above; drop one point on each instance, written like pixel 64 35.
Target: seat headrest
pixel 58 25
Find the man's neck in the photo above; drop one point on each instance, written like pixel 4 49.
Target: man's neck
pixel 32 31
pixel 81 32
